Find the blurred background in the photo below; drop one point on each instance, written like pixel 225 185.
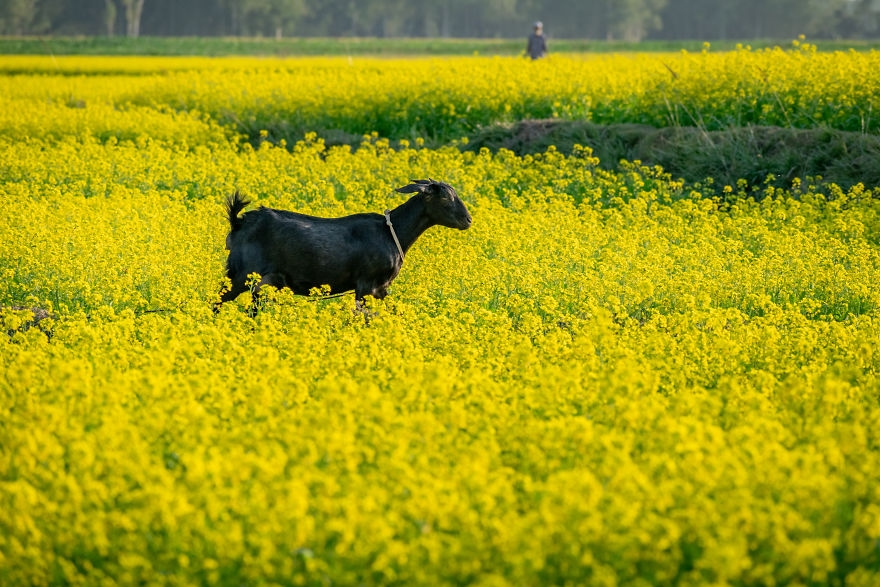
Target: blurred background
pixel 624 20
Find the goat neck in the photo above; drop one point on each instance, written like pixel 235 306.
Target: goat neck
pixel 410 220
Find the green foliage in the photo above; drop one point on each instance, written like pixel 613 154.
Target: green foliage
pixel 324 46
pixel 633 20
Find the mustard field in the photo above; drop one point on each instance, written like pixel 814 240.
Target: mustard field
pixel 611 378
pixel 440 98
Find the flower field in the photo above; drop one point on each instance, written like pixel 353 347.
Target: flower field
pixel 447 98
pixel 611 378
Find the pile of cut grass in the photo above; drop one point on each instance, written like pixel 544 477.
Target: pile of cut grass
pixel 758 154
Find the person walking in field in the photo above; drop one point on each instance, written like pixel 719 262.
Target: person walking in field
pixel 537 47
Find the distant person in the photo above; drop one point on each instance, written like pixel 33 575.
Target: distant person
pixel 537 43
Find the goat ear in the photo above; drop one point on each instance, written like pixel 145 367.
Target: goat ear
pixel 408 189
pixel 417 185
pixel 425 186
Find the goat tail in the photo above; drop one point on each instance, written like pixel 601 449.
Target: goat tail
pixel 235 203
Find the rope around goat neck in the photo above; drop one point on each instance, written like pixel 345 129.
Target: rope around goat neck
pixel 393 234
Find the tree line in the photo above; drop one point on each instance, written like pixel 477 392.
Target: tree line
pixel 629 20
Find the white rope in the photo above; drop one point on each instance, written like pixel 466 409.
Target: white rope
pixel 393 234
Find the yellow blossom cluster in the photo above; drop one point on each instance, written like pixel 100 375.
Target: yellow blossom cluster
pixel 450 97
pixel 610 378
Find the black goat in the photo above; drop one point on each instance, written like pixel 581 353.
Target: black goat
pixel 361 252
